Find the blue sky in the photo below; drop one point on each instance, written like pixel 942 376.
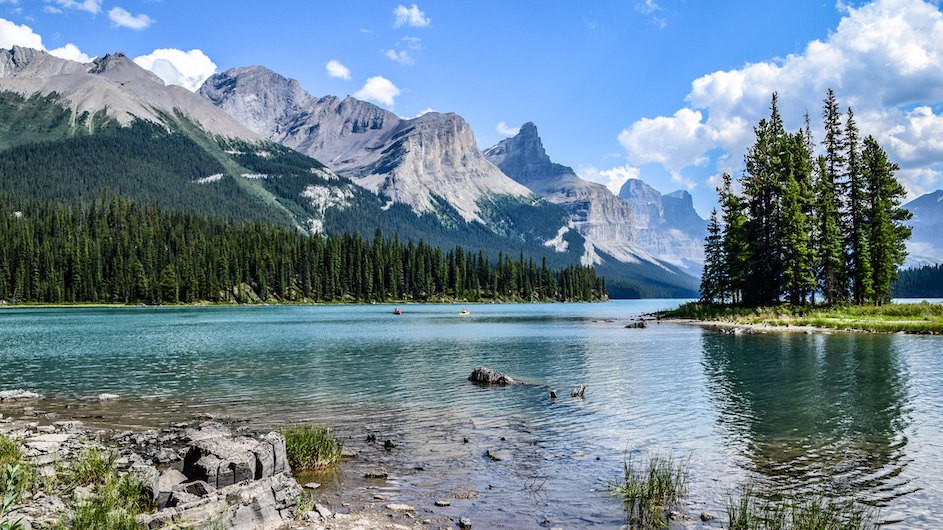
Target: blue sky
pixel 663 90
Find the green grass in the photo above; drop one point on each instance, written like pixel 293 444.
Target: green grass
pixel 889 318
pixel 94 466
pixel 312 447
pixel 10 452
pixel 651 491
pixel 9 494
pixel 115 499
pixel 748 510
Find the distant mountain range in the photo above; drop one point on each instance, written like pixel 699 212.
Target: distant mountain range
pixel 926 244
pixel 250 145
pixel 433 161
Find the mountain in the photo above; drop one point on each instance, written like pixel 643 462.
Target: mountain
pixel 431 163
pixel 418 162
pixel 603 219
pixel 668 226
pixel 925 246
pixel 73 133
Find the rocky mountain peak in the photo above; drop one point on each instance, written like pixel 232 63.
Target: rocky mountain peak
pixel 634 190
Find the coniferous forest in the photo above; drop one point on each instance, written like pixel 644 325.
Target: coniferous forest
pixel 920 282
pixel 113 250
pixel 804 226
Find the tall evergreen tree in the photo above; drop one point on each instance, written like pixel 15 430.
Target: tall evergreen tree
pixel 832 279
pixel 888 234
pixel 736 245
pixel 713 279
pixel 798 280
pixel 858 261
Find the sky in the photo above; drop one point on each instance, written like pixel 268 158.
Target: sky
pixel 667 91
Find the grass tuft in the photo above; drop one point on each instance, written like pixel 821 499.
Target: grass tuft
pixel 651 491
pixel 94 466
pixel 748 510
pixel 312 447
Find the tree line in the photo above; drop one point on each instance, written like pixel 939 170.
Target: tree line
pixel 920 282
pixel 804 225
pixel 113 250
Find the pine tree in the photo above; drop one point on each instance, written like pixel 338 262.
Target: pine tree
pixel 735 243
pixel 713 281
pixel 797 280
pixel 832 279
pixel 888 234
pixel 858 260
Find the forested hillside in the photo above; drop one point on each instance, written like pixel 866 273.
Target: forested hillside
pixel 112 250
pixel 920 282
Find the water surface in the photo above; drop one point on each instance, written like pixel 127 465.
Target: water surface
pixel 847 415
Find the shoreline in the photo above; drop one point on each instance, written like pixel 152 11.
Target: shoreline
pixel 345 497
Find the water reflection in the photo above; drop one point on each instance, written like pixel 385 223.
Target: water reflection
pixel 814 413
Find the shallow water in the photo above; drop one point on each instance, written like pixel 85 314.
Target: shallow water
pixel 850 415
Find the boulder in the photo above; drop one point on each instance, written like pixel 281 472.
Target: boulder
pixel 255 505
pixel 487 376
pixel 222 461
pixel 108 397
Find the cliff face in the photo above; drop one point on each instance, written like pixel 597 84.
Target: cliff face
pixel 629 229
pixel 419 162
pixel 668 225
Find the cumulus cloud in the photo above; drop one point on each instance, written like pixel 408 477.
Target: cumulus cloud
pixel 613 178
pixel 402 57
pixel 90 6
pixel 410 16
pixel 336 69
pixel 505 130
pixel 883 60
pixel 71 52
pixel 12 34
pixel 176 67
pixel 378 90
pixel 121 18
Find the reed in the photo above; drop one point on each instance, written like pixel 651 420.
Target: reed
pixel 651 490
pixel 312 447
pixel 749 510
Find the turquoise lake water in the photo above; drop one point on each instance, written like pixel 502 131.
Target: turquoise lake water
pixel 847 415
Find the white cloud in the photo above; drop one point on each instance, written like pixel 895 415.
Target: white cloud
pixel 505 130
pixel 12 34
pixel 402 57
pixel 91 6
pixel 612 178
pixel 649 8
pixel 883 59
pixel 413 43
pixel 336 69
pixel 410 16
pixel 177 67
pixel 121 18
pixel 378 90
pixel 71 52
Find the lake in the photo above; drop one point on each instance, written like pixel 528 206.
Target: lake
pixel 845 415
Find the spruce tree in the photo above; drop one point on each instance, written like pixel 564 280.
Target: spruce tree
pixel 713 281
pixel 888 234
pixel 858 260
pixel 735 244
pixel 796 245
pixel 832 279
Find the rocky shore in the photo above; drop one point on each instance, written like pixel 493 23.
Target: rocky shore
pixel 199 473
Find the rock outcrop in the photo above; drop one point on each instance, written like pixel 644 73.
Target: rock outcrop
pixel 605 221
pixel 418 161
pixel 668 226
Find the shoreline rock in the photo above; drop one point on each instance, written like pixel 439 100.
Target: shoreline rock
pixel 487 376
